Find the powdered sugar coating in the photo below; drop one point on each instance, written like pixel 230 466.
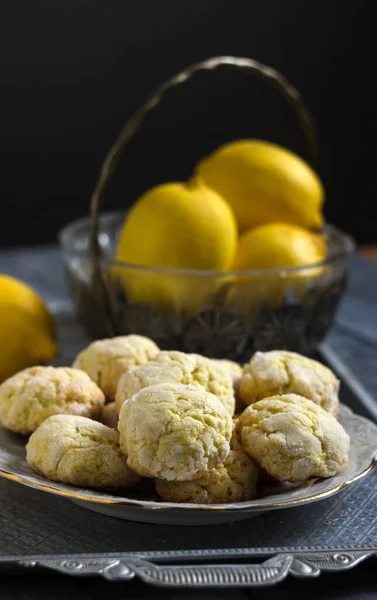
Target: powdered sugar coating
pixel 79 451
pixel 234 480
pixel 36 393
pixel 178 367
pixel 106 360
pixel 293 438
pixel 283 372
pixel 175 432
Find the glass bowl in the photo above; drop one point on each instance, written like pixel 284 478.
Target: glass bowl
pixel 221 315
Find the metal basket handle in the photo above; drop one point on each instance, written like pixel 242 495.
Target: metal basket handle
pixel 247 65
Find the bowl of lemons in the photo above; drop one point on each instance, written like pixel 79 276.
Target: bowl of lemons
pixel 235 259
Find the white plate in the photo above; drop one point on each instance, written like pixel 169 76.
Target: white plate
pixel 363 455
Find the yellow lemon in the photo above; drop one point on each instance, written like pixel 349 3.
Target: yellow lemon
pixel 176 225
pixel 264 183
pixel 26 328
pixel 278 245
pixel 275 246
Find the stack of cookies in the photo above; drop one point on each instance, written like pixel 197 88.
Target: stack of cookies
pixel 202 429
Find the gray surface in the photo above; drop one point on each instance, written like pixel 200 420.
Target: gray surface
pixel 31 521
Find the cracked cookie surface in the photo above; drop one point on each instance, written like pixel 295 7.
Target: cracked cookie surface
pixel 106 360
pixel 283 372
pixel 293 438
pixel 175 432
pixel 79 451
pixel 178 367
pixel 36 393
pixel 234 480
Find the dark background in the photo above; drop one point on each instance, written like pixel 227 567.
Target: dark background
pixel 72 71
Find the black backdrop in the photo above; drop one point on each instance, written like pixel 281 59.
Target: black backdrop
pixel 71 71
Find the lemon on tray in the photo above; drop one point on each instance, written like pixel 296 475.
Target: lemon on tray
pixel 182 226
pixel 264 183
pixel 26 328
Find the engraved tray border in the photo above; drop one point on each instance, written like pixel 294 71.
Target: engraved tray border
pixel 154 568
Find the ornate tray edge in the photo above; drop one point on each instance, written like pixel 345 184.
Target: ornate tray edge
pixel 303 563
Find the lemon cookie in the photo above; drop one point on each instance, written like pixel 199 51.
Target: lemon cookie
pixel 178 367
pixel 33 395
pixel 174 432
pixel 283 372
pixel 109 416
pixel 234 480
pixel 79 451
pixel 105 361
pixel 293 438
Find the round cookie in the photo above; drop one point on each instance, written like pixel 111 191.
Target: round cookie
pixel 105 361
pixel 79 451
pixel 283 372
pixel 174 432
pixel 292 438
pixel 109 416
pixel 235 480
pixel 178 367
pixel 33 395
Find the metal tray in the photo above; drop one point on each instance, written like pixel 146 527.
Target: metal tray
pixel 38 530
